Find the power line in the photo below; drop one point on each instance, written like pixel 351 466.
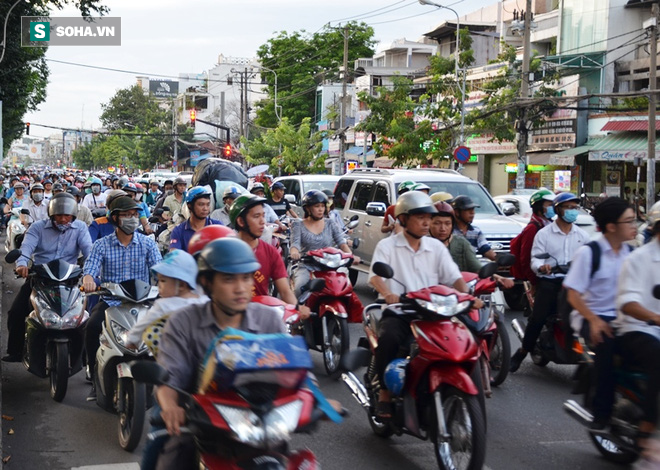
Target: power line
pixel 367 12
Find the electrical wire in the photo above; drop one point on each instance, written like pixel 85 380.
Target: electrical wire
pixel 349 18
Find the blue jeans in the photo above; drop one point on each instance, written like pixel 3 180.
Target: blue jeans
pixel 153 447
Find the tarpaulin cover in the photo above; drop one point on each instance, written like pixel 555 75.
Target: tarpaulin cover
pixel 219 173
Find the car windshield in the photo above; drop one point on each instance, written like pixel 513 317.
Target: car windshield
pixel 319 185
pixel 461 188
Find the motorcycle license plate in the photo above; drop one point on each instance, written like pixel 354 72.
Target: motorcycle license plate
pixel 124 370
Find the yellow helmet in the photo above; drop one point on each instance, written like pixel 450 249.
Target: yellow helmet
pixel 441 196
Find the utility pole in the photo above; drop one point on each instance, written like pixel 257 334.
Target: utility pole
pixel 524 94
pixel 175 137
pixel 342 116
pixel 653 64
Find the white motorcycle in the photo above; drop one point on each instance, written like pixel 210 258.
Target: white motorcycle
pixel 116 391
pixel 15 229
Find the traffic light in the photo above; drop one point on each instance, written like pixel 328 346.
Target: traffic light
pixel 193 117
pixel 27 128
pixel 226 152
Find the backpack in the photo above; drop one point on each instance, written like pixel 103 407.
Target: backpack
pixel 517 269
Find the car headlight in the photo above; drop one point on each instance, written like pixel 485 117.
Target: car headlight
pixel 119 332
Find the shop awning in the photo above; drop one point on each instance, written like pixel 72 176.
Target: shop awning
pixel 539 158
pixel 629 126
pixel 383 162
pixel 566 157
pixel 625 146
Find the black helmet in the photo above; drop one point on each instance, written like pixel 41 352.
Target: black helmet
pixel 123 181
pixel 314 197
pixel 228 255
pixel 122 204
pixel 463 203
pixel 75 192
pixel 63 204
pixel 329 193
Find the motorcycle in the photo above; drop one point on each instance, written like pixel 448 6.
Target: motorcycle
pixel 15 229
pixel 244 417
pixel 54 329
pixel 116 390
pixel 437 397
pixel 555 343
pixel 617 443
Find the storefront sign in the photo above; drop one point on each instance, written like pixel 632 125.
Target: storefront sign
pixel 359 139
pixel 484 144
pixel 619 155
pixel 558 130
pixel 562 181
pixel 562 160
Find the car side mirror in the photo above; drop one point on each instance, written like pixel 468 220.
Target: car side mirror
pixel 383 270
pixel 376 208
pixel 508 208
pixel 290 198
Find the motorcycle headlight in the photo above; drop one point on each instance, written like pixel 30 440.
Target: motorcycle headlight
pixel 282 421
pixel 74 316
pixel 49 318
pixel 471 285
pixel 120 333
pixel 244 423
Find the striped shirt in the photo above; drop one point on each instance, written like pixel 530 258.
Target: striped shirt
pixel 476 238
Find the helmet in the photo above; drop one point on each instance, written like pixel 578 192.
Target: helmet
pixel 122 204
pixel 420 187
pixel 277 185
pixel 154 181
pixel 257 187
pixel 130 188
pixel 313 197
pixel 228 255
pixel 463 203
pixel 95 181
pixel 179 265
pixel 395 375
pixel 63 204
pixel 19 185
pixel 167 182
pixel 57 187
pixel 232 192
pixel 47 181
pixel 444 209
pixel 197 192
pixel 414 202
pixel 74 191
pixel 329 193
pixel 140 188
pixel 441 196
pixel 653 217
pixel 37 186
pixel 206 235
pixel 123 181
pixel 112 195
pixel 242 204
pixel 564 197
pixel 179 180
pixel 542 194
pixel 405 187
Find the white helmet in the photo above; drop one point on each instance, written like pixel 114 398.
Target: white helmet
pixel 653 217
pixel 414 202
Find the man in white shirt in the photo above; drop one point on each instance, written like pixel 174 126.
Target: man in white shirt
pixel 95 199
pixel 561 239
pixel 591 285
pixel 418 261
pixel 639 319
pixel 37 206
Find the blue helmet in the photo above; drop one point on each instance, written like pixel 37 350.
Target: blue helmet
pixel 564 197
pixel 277 185
pixel 180 265
pixel 197 192
pixel 228 255
pixel 95 180
pixel 395 375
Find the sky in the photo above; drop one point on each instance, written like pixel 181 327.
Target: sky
pixel 168 37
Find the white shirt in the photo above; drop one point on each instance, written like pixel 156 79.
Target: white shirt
pixel 640 273
pixel 429 266
pixel 562 246
pixel 37 212
pixel 599 291
pixel 94 201
pixel 48 195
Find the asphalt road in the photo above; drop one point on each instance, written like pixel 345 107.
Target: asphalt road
pixel 527 428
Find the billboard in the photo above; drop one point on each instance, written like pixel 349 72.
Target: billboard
pixel 164 88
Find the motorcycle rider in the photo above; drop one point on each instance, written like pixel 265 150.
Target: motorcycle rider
pixel 60 236
pixel 198 200
pixel 96 198
pixel 418 261
pixel 102 226
pixel 36 205
pixel 247 217
pixel 277 201
pixel 638 323
pixel 48 190
pixel 131 189
pixel 84 214
pixel 593 296
pixel 154 193
pixel 389 220
pixel 123 255
pixel 228 197
pixel 175 200
pixel 226 273
pixel 271 217
pixel 561 239
pixel 17 199
pixel 464 213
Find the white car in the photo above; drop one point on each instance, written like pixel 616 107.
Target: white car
pixel 517 207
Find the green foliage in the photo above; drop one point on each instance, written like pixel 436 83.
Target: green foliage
pixel 289 148
pixel 302 62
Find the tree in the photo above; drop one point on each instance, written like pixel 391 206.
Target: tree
pixel 23 71
pixel 287 148
pixel 301 63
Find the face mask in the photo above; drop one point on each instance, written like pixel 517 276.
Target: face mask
pixel 570 215
pixel 549 212
pixel 79 185
pixel 38 197
pixel 63 227
pixel 138 197
pixel 129 225
pixel 96 190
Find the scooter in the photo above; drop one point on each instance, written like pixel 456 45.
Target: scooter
pixel 15 229
pixel 252 397
pixel 617 442
pixel 54 329
pixel 434 395
pixel 116 390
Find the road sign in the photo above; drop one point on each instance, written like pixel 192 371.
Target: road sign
pixel 351 165
pixel 462 154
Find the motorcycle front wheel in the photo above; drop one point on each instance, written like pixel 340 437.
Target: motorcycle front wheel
pixel 59 370
pixel 336 345
pixel 613 452
pixel 465 447
pixel 500 356
pixel 131 417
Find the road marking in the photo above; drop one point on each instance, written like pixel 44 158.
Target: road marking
pixel 114 466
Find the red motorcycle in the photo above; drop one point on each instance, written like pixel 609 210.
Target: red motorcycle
pixel 327 329
pixel 253 395
pixel 434 394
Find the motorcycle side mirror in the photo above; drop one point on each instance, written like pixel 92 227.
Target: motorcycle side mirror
pixel 506 259
pixel 354 218
pixel 154 220
pixel 352 224
pixel 542 256
pixel 355 359
pixel 25 212
pixel 149 372
pixel 488 270
pixel 165 208
pixel 656 291
pixel 356 243
pixel 12 256
pixel 316 285
pixel 383 270
pixel 3 200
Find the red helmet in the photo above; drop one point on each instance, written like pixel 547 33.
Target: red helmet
pixel 206 235
pixel 444 209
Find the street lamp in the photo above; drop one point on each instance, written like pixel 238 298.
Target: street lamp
pixel 279 118
pixel 456 57
pixel 4 30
